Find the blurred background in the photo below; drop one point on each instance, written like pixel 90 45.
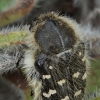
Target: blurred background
pixel 85 12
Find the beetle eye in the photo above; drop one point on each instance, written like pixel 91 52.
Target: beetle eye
pixel 39 65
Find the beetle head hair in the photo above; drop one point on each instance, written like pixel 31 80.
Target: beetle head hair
pixel 55 63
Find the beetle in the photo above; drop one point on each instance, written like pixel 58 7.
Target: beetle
pixel 56 61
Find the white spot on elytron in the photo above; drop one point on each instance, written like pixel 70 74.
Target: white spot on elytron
pixel 80 53
pixel 50 67
pixel 46 76
pixel 61 82
pixel 66 98
pixel 83 59
pixel 75 75
pixel 84 76
pixel 77 93
pixel 49 93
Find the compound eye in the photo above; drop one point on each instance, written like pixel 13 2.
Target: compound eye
pixel 39 65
